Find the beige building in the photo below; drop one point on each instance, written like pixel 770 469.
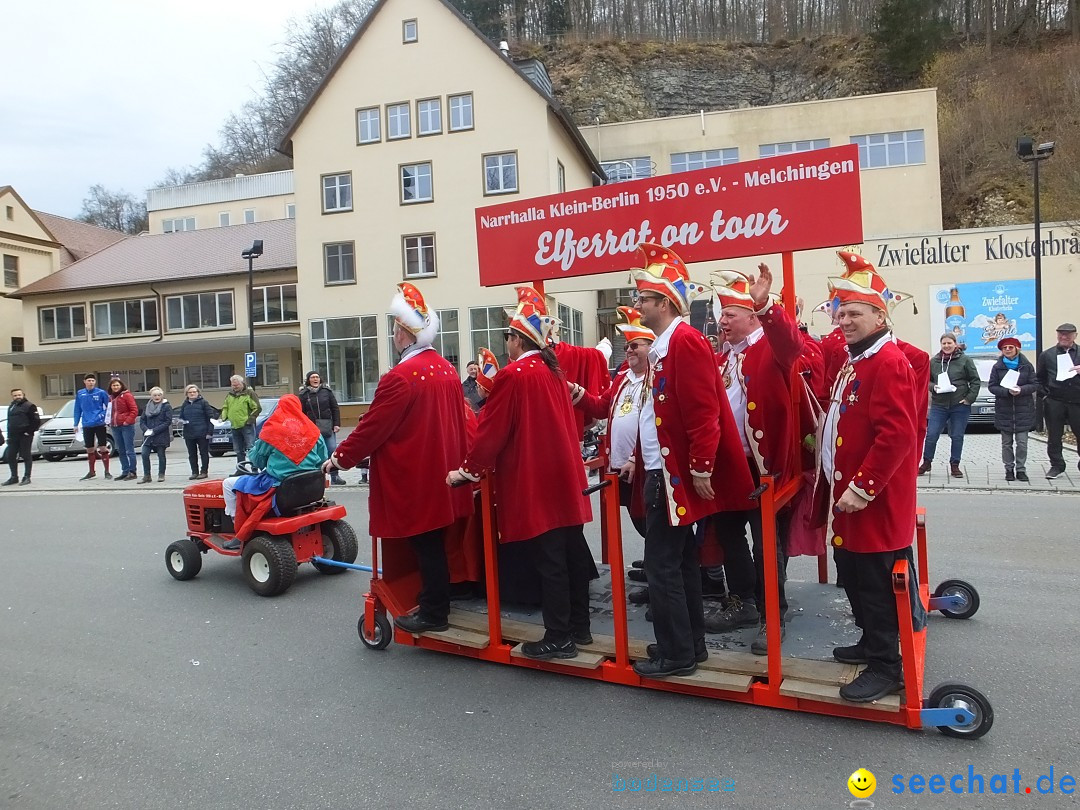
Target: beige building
pixel 240 200
pixel 165 310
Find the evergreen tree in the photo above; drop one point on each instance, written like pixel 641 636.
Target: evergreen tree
pixel 910 33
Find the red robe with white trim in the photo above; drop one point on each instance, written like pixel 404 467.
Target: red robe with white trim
pixel 413 432
pixel 586 367
pixel 526 435
pixel 874 453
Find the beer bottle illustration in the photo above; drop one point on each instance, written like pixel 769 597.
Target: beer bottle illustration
pixel 954 316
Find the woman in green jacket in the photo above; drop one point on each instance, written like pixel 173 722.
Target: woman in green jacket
pixel 954 384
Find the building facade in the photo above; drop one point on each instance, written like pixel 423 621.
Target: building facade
pixel 240 200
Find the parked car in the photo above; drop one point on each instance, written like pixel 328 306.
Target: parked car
pixel 982 410
pixel 57 440
pixel 4 429
pixel 221 439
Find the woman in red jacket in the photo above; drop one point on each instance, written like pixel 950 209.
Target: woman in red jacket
pixel 123 412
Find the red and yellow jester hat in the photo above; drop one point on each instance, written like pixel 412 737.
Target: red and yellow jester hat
pixel 489 367
pixel 531 319
pixel 863 283
pixel 633 330
pixel 412 314
pixel 664 273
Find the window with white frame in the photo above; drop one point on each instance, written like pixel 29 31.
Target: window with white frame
pixel 368 125
pixel 707 159
pixel 461 111
pixel 408 31
pixel 429 116
pixel 178 224
pixel 223 219
pixel 138 380
pixel 346 353
pixel 62 323
pixel 487 325
pixel 210 310
pixel 61 385
pixel 249 216
pixel 17 345
pixel 290 210
pixel 571 328
pixel 398 122
pixel 339 264
pixel 206 377
pixel 132 316
pixel 446 343
pixel 416 183
pixel 337 192
pixel 268 371
pixel 11 270
pixel 418 255
pixel 886 149
pixel 275 303
pixel 561 176
pixel 788 147
pixel 500 173
pixel 634 168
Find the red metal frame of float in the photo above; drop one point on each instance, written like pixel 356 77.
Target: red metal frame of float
pixel 383 597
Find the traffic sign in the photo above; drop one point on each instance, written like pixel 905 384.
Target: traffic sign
pixel 249 364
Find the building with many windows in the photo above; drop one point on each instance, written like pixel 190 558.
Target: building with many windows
pixel 240 200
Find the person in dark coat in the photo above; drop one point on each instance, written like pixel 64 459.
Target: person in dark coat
pixel 319 404
pixel 195 414
pixel 22 422
pixel 1014 408
pixel 156 425
pixel 1058 373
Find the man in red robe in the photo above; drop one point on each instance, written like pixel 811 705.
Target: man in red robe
pixel 691 462
pixel 759 364
pixel 414 429
pixel 869 461
pixel 526 435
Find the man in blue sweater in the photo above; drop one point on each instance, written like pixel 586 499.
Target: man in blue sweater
pixel 91 405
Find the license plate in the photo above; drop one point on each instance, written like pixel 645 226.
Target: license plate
pixel 221 440
pixel 984 410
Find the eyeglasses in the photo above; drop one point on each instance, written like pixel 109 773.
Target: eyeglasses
pixel 506 334
pixel 643 297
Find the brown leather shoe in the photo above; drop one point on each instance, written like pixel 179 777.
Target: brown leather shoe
pixel 955 471
pixel 924 468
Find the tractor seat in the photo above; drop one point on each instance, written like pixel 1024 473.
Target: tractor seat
pixel 299 490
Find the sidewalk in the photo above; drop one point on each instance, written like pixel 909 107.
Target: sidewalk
pixel 983 469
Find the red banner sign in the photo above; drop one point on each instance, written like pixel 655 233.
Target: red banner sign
pixel 799 201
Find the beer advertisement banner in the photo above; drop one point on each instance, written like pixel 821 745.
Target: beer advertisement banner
pixel 979 314
pixel 799 201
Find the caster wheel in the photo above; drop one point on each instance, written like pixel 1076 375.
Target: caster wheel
pixel 383 633
pixel 957 695
pixel 966 591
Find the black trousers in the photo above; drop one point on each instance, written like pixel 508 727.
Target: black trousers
pixel 434 598
pixel 867 579
pixel 671 566
pixel 626 496
pixel 1057 414
pixel 746 571
pixel 19 444
pixel 564 563
pixel 199 446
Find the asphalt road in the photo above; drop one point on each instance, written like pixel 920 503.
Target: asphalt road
pixel 120 687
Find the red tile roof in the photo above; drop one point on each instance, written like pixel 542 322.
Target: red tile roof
pixel 174 256
pixel 78 238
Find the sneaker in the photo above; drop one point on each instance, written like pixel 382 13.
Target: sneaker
pixel 232 544
pixel 1054 472
pixel 871 685
pixel 663 668
pixel 10 481
pixel 545 650
pixel 337 480
pixel 582 637
pixel 924 468
pixel 146 479
pixel 202 475
pixel 88 476
pixel 852 654
pixel 1022 476
pixel 1009 475
pixel 161 477
pixel 738 614
pixel 193 477
pixel 638 596
pixel 415 623
pixel 24 482
pixel 760 645
pixel 108 476
pixel 701 654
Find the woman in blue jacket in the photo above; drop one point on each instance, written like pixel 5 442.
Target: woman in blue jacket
pixel 156 425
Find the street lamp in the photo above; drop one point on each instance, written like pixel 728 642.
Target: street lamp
pixel 252 253
pixel 1028 152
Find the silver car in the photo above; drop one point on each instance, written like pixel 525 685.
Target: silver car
pixel 56 440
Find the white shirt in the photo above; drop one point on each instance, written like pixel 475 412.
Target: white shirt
pixel 650 442
pixel 736 394
pixel 624 421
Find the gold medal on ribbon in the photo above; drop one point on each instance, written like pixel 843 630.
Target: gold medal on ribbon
pixel 727 380
pixel 626 406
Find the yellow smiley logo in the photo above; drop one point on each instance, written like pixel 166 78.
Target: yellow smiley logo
pixel 862 784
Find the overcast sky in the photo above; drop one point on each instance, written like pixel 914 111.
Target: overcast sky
pixel 115 92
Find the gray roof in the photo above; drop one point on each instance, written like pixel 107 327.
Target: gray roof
pixel 174 257
pixel 78 238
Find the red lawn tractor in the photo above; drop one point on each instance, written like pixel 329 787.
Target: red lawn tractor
pixel 308 528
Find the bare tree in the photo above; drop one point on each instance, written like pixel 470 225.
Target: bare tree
pixel 115 210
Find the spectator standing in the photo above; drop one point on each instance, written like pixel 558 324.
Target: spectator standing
pixel 1059 382
pixel 954 385
pixel 91 411
pixel 156 425
pixel 241 410
pixel 195 415
pixel 321 406
pixel 471 388
pixel 23 421
pixel 1014 407
pixel 123 415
